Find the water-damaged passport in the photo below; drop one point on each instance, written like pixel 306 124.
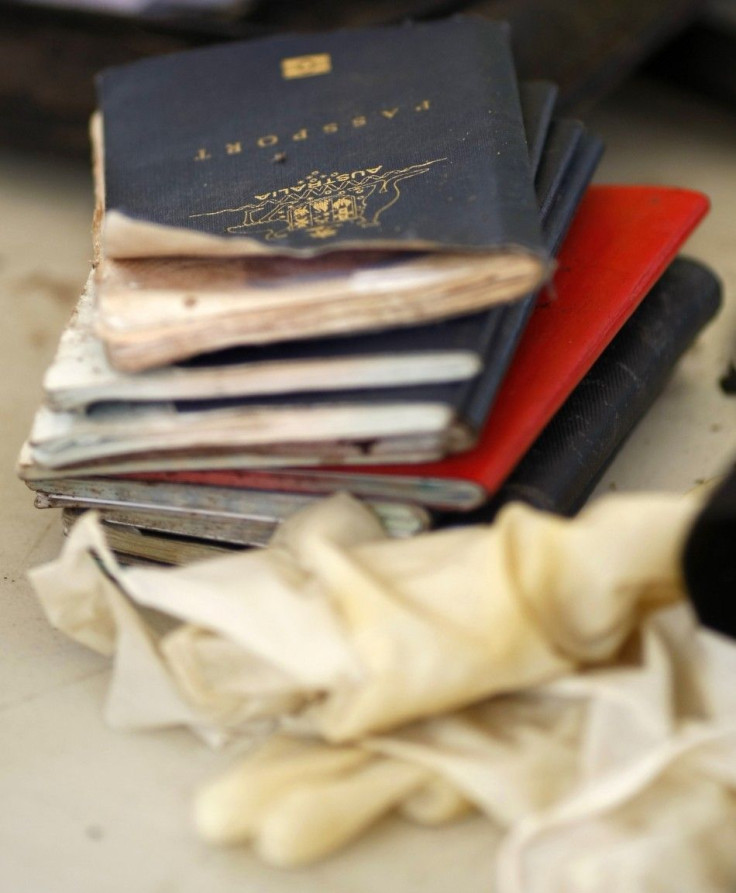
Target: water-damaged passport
pixel 392 137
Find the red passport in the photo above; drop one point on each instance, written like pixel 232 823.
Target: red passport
pixel 620 243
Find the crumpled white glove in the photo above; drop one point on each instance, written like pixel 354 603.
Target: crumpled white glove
pixel 352 633
pixel 616 779
pixel 386 653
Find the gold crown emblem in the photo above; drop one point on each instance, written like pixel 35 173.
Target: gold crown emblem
pixel 321 204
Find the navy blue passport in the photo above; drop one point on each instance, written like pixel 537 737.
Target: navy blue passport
pixel 502 327
pixel 489 336
pixel 312 143
pixel 561 184
pixel 538 101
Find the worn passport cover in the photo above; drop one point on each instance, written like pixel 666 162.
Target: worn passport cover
pixel 242 140
pixel 245 517
pixel 416 422
pixel 563 174
pixel 496 330
pixel 538 101
pixel 563 465
pixel 445 417
pixel 561 186
pixel 622 240
pixel 446 350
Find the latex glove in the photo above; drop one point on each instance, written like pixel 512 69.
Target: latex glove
pixel 622 778
pixel 354 633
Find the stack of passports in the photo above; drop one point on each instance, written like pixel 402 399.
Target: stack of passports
pixel 320 264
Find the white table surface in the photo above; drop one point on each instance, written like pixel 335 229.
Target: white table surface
pixel 83 808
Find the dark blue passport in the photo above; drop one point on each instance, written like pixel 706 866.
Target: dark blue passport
pixel 470 401
pixel 407 137
pixel 538 100
pixel 561 188
pixel 490 335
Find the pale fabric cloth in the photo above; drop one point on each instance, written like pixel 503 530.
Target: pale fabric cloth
pixel 546 672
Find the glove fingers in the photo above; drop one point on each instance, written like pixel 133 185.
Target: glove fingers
pixel 314 819
pixel 435 803
pixel 231 809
